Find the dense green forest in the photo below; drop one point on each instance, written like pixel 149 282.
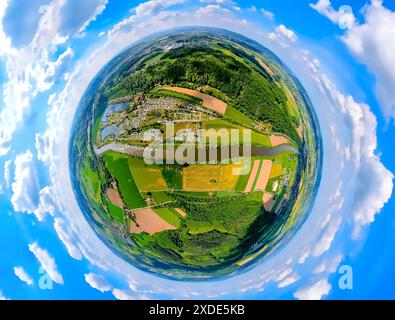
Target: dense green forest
pixel 217 231
pixel 250 90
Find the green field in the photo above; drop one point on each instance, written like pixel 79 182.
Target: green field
pixel 257 139
pixel 91 182
pixel 118 166
pixel 238 116
pixel 116 212
pixel 160 197
pixel 147 178
pixel 173 176
pixel 169 216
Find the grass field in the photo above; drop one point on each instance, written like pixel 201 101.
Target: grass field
pixel 242 182
pixel 257 139
pixel 160 197
pixel 238 116
pixel 260 139
pixel 169 215
pixel 147 178
pixel 118 166
pixel 173 176
pixel 210 177
pixel 116 212
pixel 91 182
pixel 257 175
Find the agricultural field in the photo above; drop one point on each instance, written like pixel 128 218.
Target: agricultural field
pixel 118 167
pixel 201 178
pixel 147 178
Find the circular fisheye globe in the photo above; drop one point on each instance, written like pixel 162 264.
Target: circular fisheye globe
pixel 195 153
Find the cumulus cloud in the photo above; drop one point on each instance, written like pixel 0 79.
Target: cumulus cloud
pixel 47 262
pixel 97 282
pixel 314 292
pixel 283 35
pixel 329 233
pixel 78 15
pixel 23 275
pixel 46 204
pixel 371 42
pixel 344 17
pixel 154 6
pixel 64 235
pixel 25 196
pixel 26 69
pixel 34 68
pixel 373 182
pixel 212 9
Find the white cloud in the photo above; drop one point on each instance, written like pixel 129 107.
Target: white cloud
pixel 373 44
pixel 64 235
pixel 369 40
pixel 328 265
pixel 344 17
pixel 46 204
pixel 47 262
pixel 324 242
pixel 154 6
pixel 141 11
pixel 267 14
pixel 7 173
pixel 291 279
pixel 97 282
pixel 78 15
pixel 23 275
pixel 212 9
pixel 229 3
pixel 26 69
pixel 373 182
pixel 314 292
pixel 123 294
pixel 25 196
pixel 34 68
pixel 283 35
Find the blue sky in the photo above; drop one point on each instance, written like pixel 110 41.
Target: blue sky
pixel 49 51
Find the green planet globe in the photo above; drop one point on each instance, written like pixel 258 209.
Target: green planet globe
pixel 195 153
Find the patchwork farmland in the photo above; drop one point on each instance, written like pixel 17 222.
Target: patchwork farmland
pixel 193 214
